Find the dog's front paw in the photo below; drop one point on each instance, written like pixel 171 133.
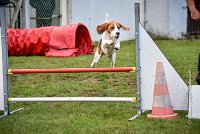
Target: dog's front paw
pixel 116 47
pixel 110 42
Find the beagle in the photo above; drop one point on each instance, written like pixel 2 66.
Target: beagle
pixel 110 42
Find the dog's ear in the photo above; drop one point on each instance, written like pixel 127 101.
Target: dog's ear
pixel 101 28
pixel 124 27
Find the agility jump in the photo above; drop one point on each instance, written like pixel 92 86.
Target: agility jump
pixel 147 54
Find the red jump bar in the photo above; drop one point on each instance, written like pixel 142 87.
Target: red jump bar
pixel 71 70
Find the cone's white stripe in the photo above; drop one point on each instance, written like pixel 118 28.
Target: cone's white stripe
pixel 161 79
pixel 161 101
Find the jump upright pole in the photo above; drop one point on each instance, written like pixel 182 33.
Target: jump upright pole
pixel 138 69
pixel 4 63
pixel 137 33
pixel 71 70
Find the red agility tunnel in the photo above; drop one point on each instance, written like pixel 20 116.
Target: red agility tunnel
pixel 71 70
pixel 59 41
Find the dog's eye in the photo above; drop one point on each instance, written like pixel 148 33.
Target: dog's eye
pixel 112 27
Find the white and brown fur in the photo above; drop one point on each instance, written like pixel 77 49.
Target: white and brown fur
pixel 110 41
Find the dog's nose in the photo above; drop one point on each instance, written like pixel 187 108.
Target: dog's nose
pixel 118 33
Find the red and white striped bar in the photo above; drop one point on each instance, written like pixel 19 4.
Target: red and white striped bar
pixel 71 70
pixel 74 99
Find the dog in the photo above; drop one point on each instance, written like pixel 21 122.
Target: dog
pixel 110 41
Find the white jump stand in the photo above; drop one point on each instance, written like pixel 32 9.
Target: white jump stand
pixel 194 102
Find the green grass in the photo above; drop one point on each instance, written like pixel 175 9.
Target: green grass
pixel 82 117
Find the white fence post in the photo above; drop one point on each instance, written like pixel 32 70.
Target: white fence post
pixel 66 11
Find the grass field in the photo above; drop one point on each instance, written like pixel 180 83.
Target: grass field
pixel 97 118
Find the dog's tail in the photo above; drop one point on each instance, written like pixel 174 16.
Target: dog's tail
pixel 106 17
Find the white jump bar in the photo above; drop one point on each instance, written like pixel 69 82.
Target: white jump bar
pixel 73 99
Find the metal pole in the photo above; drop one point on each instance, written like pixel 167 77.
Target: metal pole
pixel 69 12
pixel 73 99
pixel 5 59
pixel 26 14
pixel 70 70
pixel 138 68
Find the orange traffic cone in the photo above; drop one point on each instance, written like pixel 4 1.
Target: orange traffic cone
pixel 162 107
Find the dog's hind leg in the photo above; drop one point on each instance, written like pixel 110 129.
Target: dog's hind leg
pixel 112 59
pixel 98 54
pixel 97 57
